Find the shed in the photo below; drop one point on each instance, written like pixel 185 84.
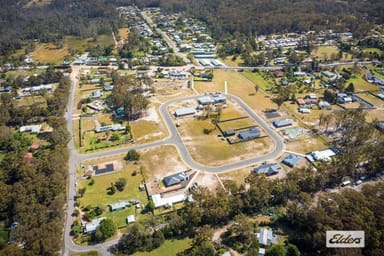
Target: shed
pixel 250 134
pixel 291 160
pixel 131 218
pixel 118 206
pixel 282 123
pixel 229 133
pixel 268 169
pixel 108 88
pixel 184 112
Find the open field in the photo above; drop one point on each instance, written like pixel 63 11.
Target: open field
pixel 324 53
pixel 150 127
pixel 258 80
pixel 169 248
pixel 236 124
pixel 377 102
pixel 29 100
pixel 49 53
pixel 81 45
pixel 232 62
pixel 361 84
pixel 306 145
pixel 161 161
pixel 239 86
pixel 209 149
pixel 123 33
pixel 12 74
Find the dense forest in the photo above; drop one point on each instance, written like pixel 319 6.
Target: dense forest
pixel 270 16
pixel 50 23
pixel 33 179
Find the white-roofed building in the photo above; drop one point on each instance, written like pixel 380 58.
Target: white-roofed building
pixel 160 200
pixel 91 226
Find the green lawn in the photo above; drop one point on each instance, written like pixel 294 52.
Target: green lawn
pixel 97 194
pixel 257 79
pixel 168 248
pixel 2 157
pixel 361 84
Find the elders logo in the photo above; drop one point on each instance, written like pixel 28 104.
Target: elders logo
pixel 345 239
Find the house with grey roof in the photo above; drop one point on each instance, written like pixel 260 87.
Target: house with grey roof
pixel 250 134
pixel 175 179
pixel 291 160
pixel 268 169
pixel 282 123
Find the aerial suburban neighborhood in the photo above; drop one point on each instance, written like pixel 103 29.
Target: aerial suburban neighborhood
pixel 163 129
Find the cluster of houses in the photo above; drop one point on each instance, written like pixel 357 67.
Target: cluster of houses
pixel 292 40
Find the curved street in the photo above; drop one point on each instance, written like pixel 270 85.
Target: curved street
pixel 174 138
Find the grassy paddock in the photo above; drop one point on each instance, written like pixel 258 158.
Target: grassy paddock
pixel 240 86
pixel 169 248
pixel 49 53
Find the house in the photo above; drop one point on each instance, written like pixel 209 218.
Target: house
pixel 167 200
pixel 344 98
pixel 184 112
pixel 322 155
pixel 380 125
pixel 279 74
pixel 205 100
pixel 219 98
pixel 298 73
pixel 268 169
pixel 107 168
pixel 261 252
pixel 91 227
pixel 131 218
pixel 304 110
pixel 291 160
pixel 175 179
pixel 118 206
pixel 108 88
pixel 96 94
pixel 265 236
pixel 112 127
pixel 328 74
pixel 300 101
pixel 31 128
pixel 325 105
pixel 229 133
pixel 250 134
pixel 282 123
